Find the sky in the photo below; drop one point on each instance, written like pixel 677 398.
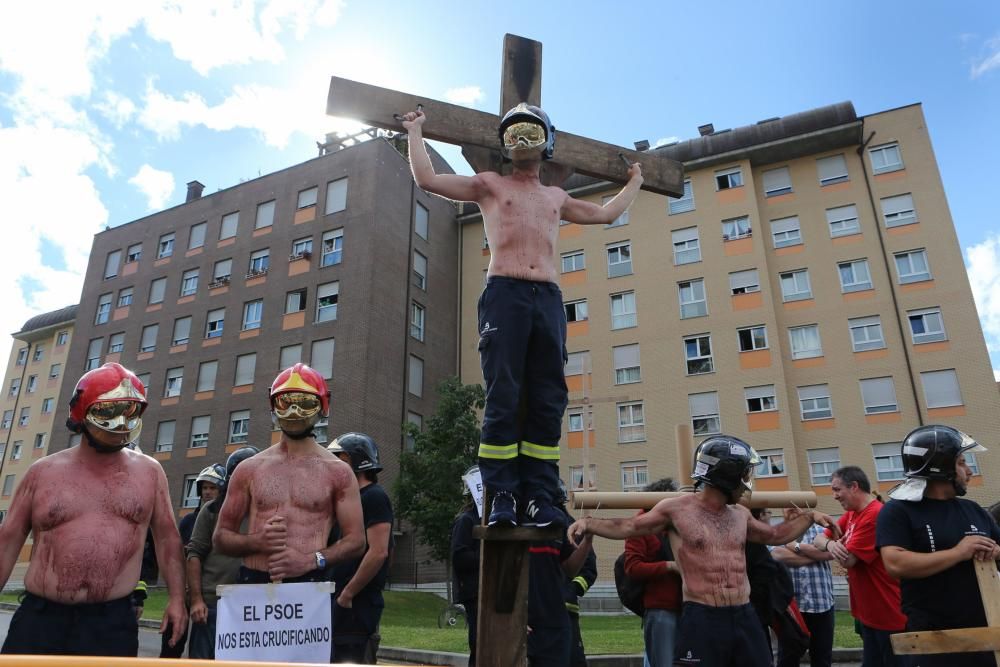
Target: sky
pixel 109 107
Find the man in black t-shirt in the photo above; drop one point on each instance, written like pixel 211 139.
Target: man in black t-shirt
pixel 928 537
pixel 359 603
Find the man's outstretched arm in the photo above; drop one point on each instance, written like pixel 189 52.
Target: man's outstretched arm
pixel 655 520
pixel 588 213
pixel 452 186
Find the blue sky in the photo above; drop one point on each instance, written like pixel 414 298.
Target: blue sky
pixel 107 109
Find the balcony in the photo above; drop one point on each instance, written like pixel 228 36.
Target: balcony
pixel 221 281
pixel 305 254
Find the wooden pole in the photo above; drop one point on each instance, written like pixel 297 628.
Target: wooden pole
pixel 685 454
pixel 642 500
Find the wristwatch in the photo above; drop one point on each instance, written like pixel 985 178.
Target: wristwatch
pixel 320 560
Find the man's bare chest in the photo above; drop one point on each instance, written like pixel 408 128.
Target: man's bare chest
pixel 84 498
pixel 708 532
pixel 303 487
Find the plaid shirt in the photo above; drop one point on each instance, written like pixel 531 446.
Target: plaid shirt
pixel 813 582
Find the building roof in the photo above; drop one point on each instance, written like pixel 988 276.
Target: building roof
pixel 46 320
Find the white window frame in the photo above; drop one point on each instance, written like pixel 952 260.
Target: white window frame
pixel 686 246
pixel 418 320
pixel 618 265
pixel 215 323
pixel 705 422
pixel 112 263
pixel 786 232
pixel 265 215
pixel 190 498
pixel 201 431
pixel 208 372
pixel 229 226
pixel 726 179
pixel 116 343
pixel 899 210
pixel 631 422
pixel 239 426
pixel 926 316
pixel 189 282
pixel 174 382
pixel 780 182
pixel 260 262
pixel 307 198
pixel 684 203
pixel 886 158
pixel 736 228
pixel 761 398
pixel 573 261
pixel 253 314
pixel 795 279
pixel 951 398
pixel 134 253
pixel 327 301
pixel 823 463
pixel 576 363
pixel 904 261
pixel 744 282
pixel 222 271
pixel 302 247
pixel 420 270
pixel 196 235
pixel 181 334
pixel 623 318
pixel 336 196
pixel 888 459
pixel 634 475
pixel 874 389
pixel 628 372
pixel 843 220
pixel 753 338
pixel 125 295
pixel 165 246
pixel 769 460
pixel 415 376
pixel 575 421
pixel 815 402
pixel 576 477
pixel 103 309
pixel 332 248
pixel 836 168
pixel 858 273
pixel 246 369
pixel 144 339
pixel 697 360
pixel 691 303
pixel 863 330
pixel 576 311
pixel 801 345
pixel 421 220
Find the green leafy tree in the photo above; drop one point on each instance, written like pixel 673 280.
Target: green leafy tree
pixel 429 487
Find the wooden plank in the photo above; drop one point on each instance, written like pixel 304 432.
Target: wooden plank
pixel 644 500
pixel 503 604
pixel 521 80
pixel 965 640
pixel 454 124
pixel 989 592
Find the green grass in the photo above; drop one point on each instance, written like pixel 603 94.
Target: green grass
pixel 410 620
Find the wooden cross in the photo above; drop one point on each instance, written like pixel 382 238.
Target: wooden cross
pixel 476 131
pixel 964 640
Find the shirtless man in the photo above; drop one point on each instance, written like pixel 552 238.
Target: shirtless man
pixel 89 508
pixel 718 625
pixel 522 322
pixel 293 492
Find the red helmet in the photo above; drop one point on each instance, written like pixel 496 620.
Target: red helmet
pixel 299 399
pixel 111 399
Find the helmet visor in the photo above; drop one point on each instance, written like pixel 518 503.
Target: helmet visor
pixel 523 135
pixel 969 445
pixel 120 416
pixel 296 405
pixel 751 470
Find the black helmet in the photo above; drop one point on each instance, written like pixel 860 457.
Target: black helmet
pixel 930 452
pixel 361 448
pixel 238 457
pixel 213 474
pixel 528 113
pixel 725 462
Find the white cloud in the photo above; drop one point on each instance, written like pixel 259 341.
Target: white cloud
pixel 466 95
pixel 116 108
pixel 663 141
pixel 156 185
pixel 983 265
pixel 989 60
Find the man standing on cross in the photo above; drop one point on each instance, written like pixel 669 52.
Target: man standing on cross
pixel 522 321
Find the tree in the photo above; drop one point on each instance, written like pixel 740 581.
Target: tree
pixel 429 487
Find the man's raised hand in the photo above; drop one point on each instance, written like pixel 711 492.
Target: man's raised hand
pixel 635 171
pixel 413 119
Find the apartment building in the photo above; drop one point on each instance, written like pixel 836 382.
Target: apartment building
pixel 338 262
pixel 31 387
pixel 807 293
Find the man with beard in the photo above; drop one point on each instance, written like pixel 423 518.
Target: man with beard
pixel 89 508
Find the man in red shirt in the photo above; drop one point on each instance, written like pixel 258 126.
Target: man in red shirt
pixel 875 600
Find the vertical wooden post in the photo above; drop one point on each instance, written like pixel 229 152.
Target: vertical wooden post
pixel 989 591
pixel 685 454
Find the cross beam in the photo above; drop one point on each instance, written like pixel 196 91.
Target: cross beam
pixel 644 500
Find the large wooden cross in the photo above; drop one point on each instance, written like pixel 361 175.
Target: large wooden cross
pixel 476 131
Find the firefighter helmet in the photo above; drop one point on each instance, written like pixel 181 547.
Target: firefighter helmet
pixel 299 399
pixel 361 449
pixel 527 126
pixel 108 403
pixel 725 462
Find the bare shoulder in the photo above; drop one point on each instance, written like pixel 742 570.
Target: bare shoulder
pixel 339 473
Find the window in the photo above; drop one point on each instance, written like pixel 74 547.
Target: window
pixel 619 259
pixel 866 333
pixel 692 298
pixel 736 228
pixel 55 370
pixel 576 311
pixel 39 440
pixel 926 326
pixel 623 314
pixel 631 422
pixel 805 342
pixel 744 282
pixel 822 463
pixel 698 353
pixel 15 386
pixel 333 246
pixel 189 282
pixel 190 497
pixel 421 217
pixel 911 266
pixel 752 338
pixel 148 341
pixel 134 253
pixel 418 422
pixel 415 383
pixel 239 426
pixel 63 336
pixel 620 220
pixel 25 416
pixel 814 402
pixel 854 276
pixel 898 210
pixel 230 225
pixel 635 475
pixel 885 158
pixel 215 322
pixel 686 246
pixel 39 350
pixel 577 363
pixel 843 220
pixel 888 461
pixel 941 388
pixel 786 232
pixel 259 262
pixel 174 380
pixel 777 182
pixel 970 460
pixel 302 247
pixel 760 399
pixel 772 463
pixel 321 358
pixel 124 299
pixel 116 343
pixel 252 313
pixel 32 384
pixel 289 356
pixel 320 430
pixel 626 362
pixel 265 215
pixel 336 196
pixel 295 302
pixel 417 315
pixel 704 409
pixel 103 309
pixel 573 261
pixel 575 420
pixel 157 290
pixel 94 353
pixel 246 367
pixel 878 395
pixel 327 296
pixel 8 419
pixel 8 485
pixel 795 285
pixel 222 270
pixel 165 436
pixel 307 198
pixel 111 264
pixel 683 203
pixel 165 247
pixel 419 270
pixel 576 477
pixel 144 379
pixel 207 370
pixel 832 169
pixel 728 178
pixel 182 331
pixel 196 238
